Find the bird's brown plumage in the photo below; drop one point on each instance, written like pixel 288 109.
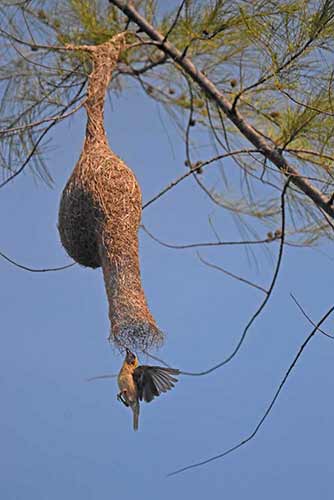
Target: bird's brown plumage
pixel 142 383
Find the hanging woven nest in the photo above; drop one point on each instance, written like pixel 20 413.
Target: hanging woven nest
pixel 100 213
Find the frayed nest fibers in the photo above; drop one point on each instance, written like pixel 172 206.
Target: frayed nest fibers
pixel 100 213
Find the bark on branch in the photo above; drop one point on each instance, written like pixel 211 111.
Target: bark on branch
pixel 267 148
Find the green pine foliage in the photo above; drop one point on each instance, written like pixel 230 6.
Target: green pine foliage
pixel 272 59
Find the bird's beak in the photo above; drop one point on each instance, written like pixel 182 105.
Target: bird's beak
pixel 130 357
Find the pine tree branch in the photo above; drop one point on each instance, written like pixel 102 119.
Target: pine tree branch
pixel 269 150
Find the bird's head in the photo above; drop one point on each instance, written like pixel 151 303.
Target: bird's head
pixel 130 358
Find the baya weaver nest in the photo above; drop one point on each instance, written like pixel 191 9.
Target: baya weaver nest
pixel 100 213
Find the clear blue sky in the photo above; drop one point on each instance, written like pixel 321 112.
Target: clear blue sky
pixel 64 438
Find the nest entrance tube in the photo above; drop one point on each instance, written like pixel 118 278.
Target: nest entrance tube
pixel 100 212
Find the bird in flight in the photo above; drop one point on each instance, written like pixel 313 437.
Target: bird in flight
pixel 142 382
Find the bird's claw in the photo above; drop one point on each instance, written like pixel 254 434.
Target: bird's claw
pixel 121 399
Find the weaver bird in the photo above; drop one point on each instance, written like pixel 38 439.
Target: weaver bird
pixel 137 383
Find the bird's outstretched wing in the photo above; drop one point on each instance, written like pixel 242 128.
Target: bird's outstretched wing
pixel 151 381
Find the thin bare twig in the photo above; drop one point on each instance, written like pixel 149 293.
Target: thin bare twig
pixel 190 172
pixel 306 106
pixel 269 409
pixel 307 316
pixel 232 275
pixel 100 377
pixel 206 244
pixel 129 70
pixel 175 21
pixel 35 270
pixel 34 46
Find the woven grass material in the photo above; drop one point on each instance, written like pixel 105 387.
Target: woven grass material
pixel 100 212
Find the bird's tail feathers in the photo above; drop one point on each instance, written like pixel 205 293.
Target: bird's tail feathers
pixel 135 410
